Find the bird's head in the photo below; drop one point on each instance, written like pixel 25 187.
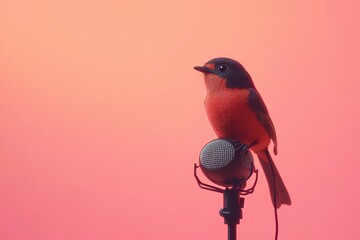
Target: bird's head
pixel 227 72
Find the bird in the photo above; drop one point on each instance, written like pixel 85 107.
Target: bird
pixel 237 111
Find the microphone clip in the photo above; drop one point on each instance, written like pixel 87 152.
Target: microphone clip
pixel 238 185
pixel 232 200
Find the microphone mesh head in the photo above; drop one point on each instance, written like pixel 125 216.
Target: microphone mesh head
pixel 226 162
pixel 247 159
pixel 217 154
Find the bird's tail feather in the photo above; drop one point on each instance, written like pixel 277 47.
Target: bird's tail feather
pixel 279 193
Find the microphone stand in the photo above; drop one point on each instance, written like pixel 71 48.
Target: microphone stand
pixel 232 211
pixel 233 203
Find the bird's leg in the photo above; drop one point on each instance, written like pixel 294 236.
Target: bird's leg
pixel 251 144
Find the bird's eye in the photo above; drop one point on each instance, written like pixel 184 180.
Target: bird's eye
pixel 223 68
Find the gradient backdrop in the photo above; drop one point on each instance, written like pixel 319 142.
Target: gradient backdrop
pixel 102 116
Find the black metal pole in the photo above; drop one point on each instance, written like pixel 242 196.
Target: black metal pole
pixel 232 212
pixel 232 231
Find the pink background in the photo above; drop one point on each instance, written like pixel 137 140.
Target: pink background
pixel 102 116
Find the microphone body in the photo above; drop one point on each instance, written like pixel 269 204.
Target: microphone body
pixel 226 162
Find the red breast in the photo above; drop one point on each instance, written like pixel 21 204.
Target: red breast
pixel 230 114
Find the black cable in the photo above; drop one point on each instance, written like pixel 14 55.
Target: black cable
pixel 274 188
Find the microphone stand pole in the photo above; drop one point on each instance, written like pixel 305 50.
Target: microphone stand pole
pixel 233 203
pixel 232 211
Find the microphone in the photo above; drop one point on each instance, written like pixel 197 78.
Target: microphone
pixel 226 162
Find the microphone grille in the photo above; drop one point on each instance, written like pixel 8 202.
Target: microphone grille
pixel 217 154
pixel 247 159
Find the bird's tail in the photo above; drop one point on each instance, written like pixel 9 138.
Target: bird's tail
pixel 278 191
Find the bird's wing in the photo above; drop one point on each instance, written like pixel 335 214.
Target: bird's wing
pixel 258 106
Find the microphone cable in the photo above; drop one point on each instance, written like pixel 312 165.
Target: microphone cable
pixel 274 188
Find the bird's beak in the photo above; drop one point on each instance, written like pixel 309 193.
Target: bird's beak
pixel 204 69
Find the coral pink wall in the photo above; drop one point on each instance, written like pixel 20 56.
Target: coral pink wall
pixel 102 116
